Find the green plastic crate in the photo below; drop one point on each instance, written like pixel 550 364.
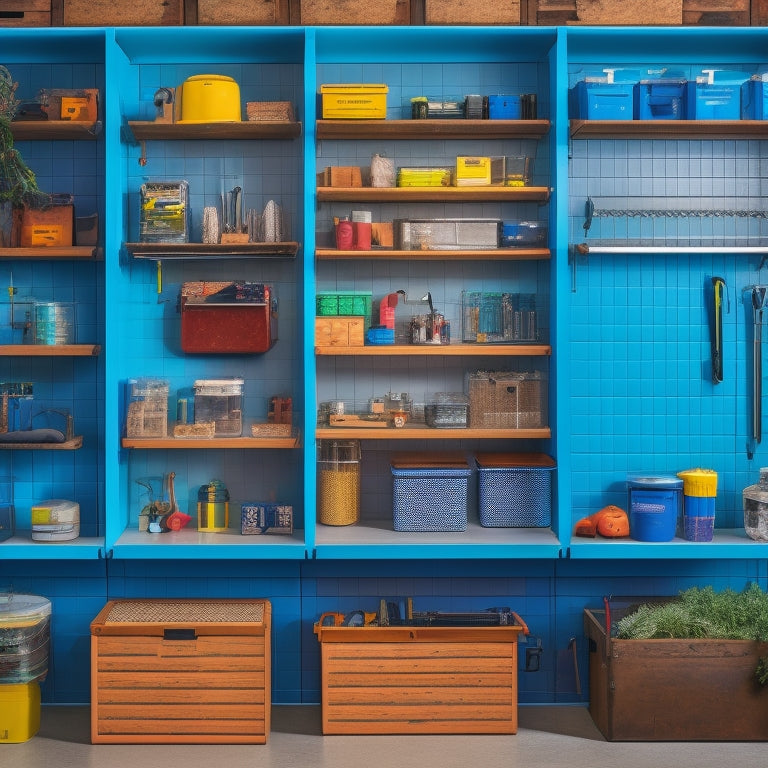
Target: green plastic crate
pixel 345 303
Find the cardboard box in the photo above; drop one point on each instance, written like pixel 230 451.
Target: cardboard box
pixel 339 331
pixel 365 101
pixel 426 680
pixel 181 671
pixel 673 690
pixel 340 176
pixel 44 227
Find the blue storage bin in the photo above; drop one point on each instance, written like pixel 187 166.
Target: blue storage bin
pixel 716 95
pixel 595 100
pixel 655 507
pixel 376 336
pixel 515 490
pixel 430 492
pixel 504 107
pixel 754 100
pixel 662 99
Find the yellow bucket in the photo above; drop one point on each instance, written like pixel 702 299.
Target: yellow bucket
pixel 209 99
pixel 699 482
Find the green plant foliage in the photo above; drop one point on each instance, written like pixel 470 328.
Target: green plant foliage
pixel 702 612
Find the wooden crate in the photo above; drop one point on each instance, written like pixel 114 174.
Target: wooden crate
pixel 674 690
pixel 340 331
pixel 320 12
pixel 181 671
pixel 108 13
pixel 238 12
pixel 427 680
pixel 25 13
pixel 439 12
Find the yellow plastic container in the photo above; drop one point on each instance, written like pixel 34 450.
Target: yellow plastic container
pixel 473 171
pixel 364 101
pixel 19 712
pixel 208 99
pixel 699 482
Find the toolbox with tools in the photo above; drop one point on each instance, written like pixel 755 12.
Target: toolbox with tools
pixel 426 673
pixel 181 671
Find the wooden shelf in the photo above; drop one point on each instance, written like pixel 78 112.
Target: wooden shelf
pixel 410 130
pixel 432 194
pixel 50 350
pixel 669 129
pixel 442 350
pixel 162 251
pixel 419 432
pixel 252 129
pixel 63 253
pixel 68 445
pixel 215 442
pixel 52 130
pixel 492 254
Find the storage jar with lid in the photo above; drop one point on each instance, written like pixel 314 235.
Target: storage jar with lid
pixel 220 401
pixel 338 482
pixel 755 501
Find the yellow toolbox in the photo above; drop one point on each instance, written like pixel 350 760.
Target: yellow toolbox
pixel 19 712
pixel 364 101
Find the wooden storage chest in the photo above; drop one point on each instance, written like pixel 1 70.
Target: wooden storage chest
pixel 181 671
pixel 674 690
pixel 426 680
pixel 108 13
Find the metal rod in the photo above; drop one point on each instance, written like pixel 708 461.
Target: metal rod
pixel 585 248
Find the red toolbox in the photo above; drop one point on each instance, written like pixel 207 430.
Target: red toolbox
pixel 227 317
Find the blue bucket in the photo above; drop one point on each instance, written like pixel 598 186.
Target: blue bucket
pixel 654 507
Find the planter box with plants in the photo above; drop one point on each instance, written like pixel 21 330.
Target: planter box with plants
pixel 690 668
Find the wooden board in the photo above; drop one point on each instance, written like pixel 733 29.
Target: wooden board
pixel 694 12
pixel 428 680
pixel 145 13
pixel 25 13
pixel 202 679
pixel 444 12
pixel 235 12
pixel 674 690
pixel 321 12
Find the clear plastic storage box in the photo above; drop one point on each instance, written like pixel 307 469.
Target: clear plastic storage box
pixel 220 401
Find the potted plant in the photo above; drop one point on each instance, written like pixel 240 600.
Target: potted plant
pixel 18 186
pixel 690 668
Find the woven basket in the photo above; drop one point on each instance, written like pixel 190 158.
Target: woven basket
pixel 269 110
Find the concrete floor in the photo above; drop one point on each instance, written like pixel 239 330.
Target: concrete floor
pixel 548 737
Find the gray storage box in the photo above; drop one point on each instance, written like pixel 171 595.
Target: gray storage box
pixel 445 234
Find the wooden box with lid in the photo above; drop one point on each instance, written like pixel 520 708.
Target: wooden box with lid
pixel 181 671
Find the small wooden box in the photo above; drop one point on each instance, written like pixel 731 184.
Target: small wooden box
pixel 674 690
pixel 340 331
pixel 181 671
pixel 108 13
pixel 427 680
pixel 25 13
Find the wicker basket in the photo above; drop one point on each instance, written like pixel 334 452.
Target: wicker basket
pixel 269 110
pixel 506 400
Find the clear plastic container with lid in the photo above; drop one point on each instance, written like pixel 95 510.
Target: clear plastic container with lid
pixel 25 635
pixel 147 408
pixel 220 401
pixel 755 500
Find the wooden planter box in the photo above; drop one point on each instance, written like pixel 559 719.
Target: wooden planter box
pixel 181 671
pixel 426 680
pixel 674 690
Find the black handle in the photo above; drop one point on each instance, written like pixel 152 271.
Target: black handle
pixel 179 634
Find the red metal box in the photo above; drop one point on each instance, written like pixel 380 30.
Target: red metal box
pixel 227 317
